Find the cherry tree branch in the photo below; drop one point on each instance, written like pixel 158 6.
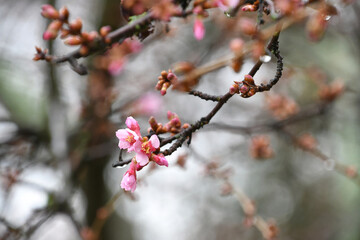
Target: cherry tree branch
pixel 182 136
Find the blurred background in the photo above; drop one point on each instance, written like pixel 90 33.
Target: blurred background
pixel 58 143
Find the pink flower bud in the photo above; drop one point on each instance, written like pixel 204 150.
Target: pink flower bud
pixel 175 122
pixel 160 160
pixel 234 89
pixel 104 31
pixel 49 11
pixel 55 25
pixel 171 115
pixel 171 76
pixel 199 29
pixel 163 91
pixel 244 89
pixel 128 183
pixel 159 85
pixel 92 35
pixel 49 35
pixel 52 30
pixel 248 78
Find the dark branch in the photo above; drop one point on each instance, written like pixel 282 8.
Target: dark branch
pixel 205 96
pixel 182 136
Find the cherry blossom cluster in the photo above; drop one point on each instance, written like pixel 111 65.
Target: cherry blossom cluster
pixel 166 79
pixel 246 88
pixel 71 31
pixel 144 148
pixel 173 126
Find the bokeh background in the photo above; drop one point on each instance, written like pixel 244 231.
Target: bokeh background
pixel 58 134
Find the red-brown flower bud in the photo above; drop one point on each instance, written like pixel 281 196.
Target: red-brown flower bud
pixel 50 34
pixel 104 31
pixel 64 14
pixel 76 25
pixel 92 35
pixel 49 12
pixel 234 89
pixel 84 50
pixel 73 40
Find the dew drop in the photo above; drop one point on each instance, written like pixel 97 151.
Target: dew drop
pixel 327 18
pixel 265 58
pixel 227 14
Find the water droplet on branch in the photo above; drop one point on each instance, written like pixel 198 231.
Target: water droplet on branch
pixel 265 58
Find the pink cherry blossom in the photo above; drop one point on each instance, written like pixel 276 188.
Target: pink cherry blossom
pixel 143 156
pixel 129 179
pixel 199 29
pixel 133 125
pixel 160 160
pixel 130 138
pixel 127 139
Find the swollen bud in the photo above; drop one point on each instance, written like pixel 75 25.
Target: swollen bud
pixel 74 40
pixel 76 25
pixel 48 11
pixel 64 14
pixel 104 31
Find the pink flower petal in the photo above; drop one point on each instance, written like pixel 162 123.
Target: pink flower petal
pixel 128 182
pixel 142 158
pixel 154 140
pixel 133 125
pixel 121 134
pixel 124 145
pixel 136 146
